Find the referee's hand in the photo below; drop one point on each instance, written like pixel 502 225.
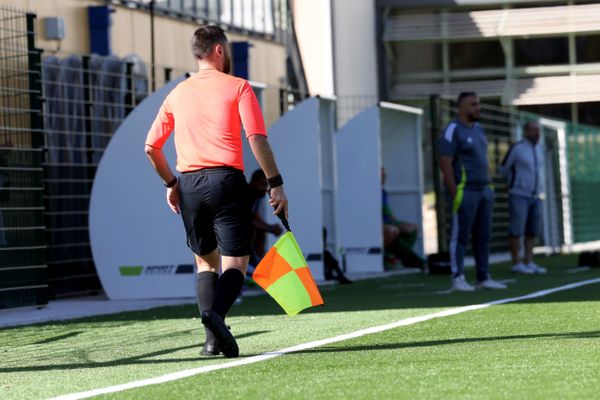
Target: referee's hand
pixel 173 198
pixel 279 201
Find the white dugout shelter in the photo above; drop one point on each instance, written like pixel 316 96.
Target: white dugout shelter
pixel 138 243
pixel 303 143
pixel 387 135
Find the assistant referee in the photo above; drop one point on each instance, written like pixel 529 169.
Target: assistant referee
pixel 207 112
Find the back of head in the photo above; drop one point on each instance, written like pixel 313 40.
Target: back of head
pixel 205 39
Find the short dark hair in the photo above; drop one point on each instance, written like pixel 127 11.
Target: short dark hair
pixel 464 95
pixel 528 123
pixel 205 39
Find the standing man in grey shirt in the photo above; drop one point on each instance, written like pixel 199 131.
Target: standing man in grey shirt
pixel 464 164
pixel 521 167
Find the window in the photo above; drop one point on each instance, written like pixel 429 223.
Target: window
pixel 546 51
pixel 589 113
pixel 417 57
pixel 588 49
pixel 475 55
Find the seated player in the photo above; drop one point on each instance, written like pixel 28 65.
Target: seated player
pixel 398 237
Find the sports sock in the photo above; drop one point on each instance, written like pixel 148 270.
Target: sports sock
pixel 228 288
pixel 206 283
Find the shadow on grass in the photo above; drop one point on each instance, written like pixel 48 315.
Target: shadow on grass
pixel 142 359
pixel 432 343
pixel 59 337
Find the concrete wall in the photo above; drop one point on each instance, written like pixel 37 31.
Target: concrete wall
pixel 355 56
pixel 312 22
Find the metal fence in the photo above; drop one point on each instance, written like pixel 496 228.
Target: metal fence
pixel 84 101
pixel 85 98
pixel 583 143
pixel 22 244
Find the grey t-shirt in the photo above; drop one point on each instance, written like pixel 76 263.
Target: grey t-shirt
pixel 468 147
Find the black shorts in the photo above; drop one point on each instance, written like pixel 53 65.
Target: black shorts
pixel 216 207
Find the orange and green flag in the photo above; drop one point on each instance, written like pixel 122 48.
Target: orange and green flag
pixel 285 275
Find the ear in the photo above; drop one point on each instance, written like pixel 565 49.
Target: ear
pixel 219 49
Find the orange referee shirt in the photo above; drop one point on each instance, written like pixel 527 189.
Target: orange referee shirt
pixel 207 112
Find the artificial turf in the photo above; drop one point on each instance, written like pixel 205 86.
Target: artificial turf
pixel 546 348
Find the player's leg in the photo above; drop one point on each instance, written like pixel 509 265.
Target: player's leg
pixel 231 200
pixel 197 220
pixel 532 230
pixel 230 283
pixel 481 240
pixel 465 206
pixel 529 244
pixel 514 245
pixel 207 267
pixel 517 210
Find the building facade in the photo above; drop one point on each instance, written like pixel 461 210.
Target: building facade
pixel 535 55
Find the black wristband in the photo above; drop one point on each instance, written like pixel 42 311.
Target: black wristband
pixel 172 183
pixel 275 181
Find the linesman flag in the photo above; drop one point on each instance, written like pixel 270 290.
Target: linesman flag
pixel 285 275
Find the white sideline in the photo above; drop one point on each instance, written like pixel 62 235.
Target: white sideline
pixel 317 343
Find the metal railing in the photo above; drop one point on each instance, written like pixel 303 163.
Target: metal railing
pixel 22 245
pixel 270 19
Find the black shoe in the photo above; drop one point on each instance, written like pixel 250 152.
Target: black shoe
pixel 210 349
pixel 215 323
pixel 343 280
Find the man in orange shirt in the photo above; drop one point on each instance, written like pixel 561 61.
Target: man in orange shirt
pixel 207 112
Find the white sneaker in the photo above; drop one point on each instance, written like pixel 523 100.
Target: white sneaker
pixel 521 268
pixel 489 283
pixel 536 268
pixel 459 284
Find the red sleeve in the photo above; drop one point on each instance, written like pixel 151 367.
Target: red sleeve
pixel 250 112
pixel 162 127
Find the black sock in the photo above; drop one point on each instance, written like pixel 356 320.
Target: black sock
pixel 206 282
pixel 228 288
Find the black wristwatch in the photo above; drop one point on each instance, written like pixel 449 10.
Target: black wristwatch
pixel 172 183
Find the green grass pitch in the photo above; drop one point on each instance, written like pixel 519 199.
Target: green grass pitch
pixel 543 348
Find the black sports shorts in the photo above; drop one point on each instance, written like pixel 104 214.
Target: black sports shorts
pixel 216 207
